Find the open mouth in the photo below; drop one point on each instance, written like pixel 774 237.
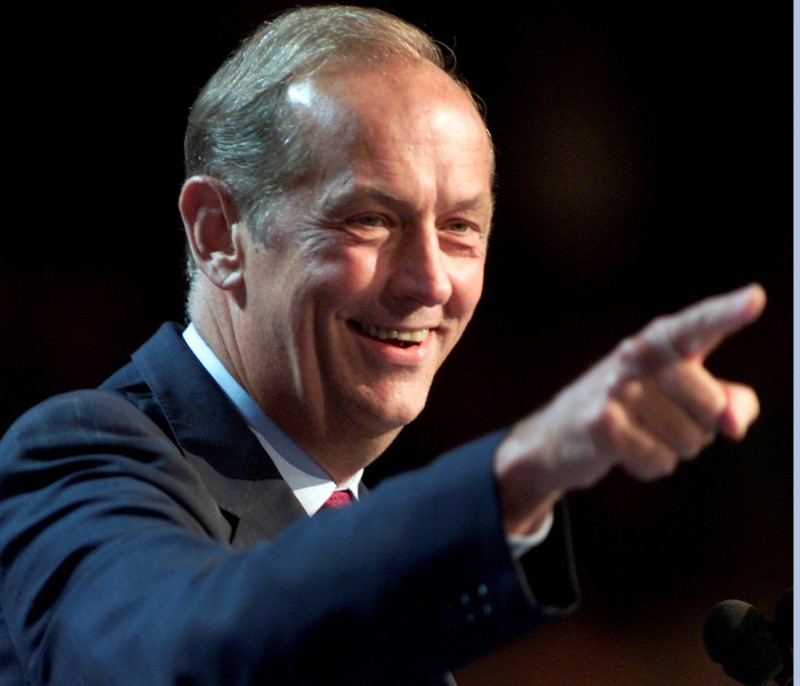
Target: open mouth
pixel 400 339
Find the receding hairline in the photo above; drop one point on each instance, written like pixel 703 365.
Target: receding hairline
pixel 322 85
pixel 243 110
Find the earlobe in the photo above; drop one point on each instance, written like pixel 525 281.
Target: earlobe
pixel 212 224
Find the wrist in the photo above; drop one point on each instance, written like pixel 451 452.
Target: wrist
pixel 526 502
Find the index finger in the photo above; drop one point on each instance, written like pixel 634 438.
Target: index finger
pixel 692 333
pixel 698 329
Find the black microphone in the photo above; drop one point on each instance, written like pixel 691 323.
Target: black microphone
pixel 750 649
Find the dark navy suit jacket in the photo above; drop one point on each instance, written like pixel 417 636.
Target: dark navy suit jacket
pixel 146 539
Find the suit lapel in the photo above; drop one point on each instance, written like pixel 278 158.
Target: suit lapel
pixel 236 470
pixel 257 508
pixel 238 474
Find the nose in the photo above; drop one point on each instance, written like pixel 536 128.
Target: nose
pixel 419 269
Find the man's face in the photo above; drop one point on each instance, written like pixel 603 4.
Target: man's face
pixel 376 264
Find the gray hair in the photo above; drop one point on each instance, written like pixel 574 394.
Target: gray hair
pixel 242 128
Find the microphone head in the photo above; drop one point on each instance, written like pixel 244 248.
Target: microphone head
pixel 736 635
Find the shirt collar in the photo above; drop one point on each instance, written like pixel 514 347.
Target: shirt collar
pixel 311 484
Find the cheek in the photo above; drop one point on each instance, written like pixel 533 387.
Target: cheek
pixel 340 280
pixel 467 285
pixel 349 273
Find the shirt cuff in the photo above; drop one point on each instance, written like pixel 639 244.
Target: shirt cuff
pixel 522 544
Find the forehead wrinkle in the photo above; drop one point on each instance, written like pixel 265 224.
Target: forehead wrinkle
pixel 357 139
pixel 392 170
pixel 360 192
pixel 336 204
pixel 417 139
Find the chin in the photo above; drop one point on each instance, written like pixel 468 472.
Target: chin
pixel 391 415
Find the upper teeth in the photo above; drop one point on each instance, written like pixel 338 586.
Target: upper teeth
pixel 378 332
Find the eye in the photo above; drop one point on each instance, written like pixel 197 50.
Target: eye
pixel 371 220
pixel 461 226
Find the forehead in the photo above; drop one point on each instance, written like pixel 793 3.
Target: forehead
pixel 390 107
pixel 420 95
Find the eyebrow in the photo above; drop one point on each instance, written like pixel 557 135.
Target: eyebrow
pixel 338 203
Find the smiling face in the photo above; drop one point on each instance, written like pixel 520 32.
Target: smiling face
pixel 375 266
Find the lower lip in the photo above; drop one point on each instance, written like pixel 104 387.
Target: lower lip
pixel 412 355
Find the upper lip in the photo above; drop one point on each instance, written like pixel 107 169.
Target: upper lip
pixel 408 333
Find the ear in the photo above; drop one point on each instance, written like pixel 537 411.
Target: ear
pixel 213 229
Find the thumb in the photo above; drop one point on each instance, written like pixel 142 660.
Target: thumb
pixel 740 412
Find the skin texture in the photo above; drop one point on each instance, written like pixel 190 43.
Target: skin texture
pixel 391 233
pixel 647 406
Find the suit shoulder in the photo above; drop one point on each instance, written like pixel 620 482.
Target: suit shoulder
pixel 82 410
pixel 87 422
pixel 95 436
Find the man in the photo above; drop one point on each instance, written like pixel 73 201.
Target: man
pixel 338 206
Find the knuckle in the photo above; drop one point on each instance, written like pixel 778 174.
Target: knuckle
pixel 629 392
pixel 632 351
pixel 661 463
pixel 628 346
pixel 651 349
pixel 694 444
pixel 669 463
pixel 712 407
pixel 605 425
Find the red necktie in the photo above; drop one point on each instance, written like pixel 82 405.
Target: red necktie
pixel 337 499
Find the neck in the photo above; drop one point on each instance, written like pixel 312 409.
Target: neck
pixel 341 457
pixel 341 453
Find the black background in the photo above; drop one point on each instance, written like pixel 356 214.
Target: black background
pixel 644 162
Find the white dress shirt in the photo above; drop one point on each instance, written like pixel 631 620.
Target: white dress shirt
pixel 311 484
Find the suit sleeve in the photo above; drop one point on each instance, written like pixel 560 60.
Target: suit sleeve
pixel 116 568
